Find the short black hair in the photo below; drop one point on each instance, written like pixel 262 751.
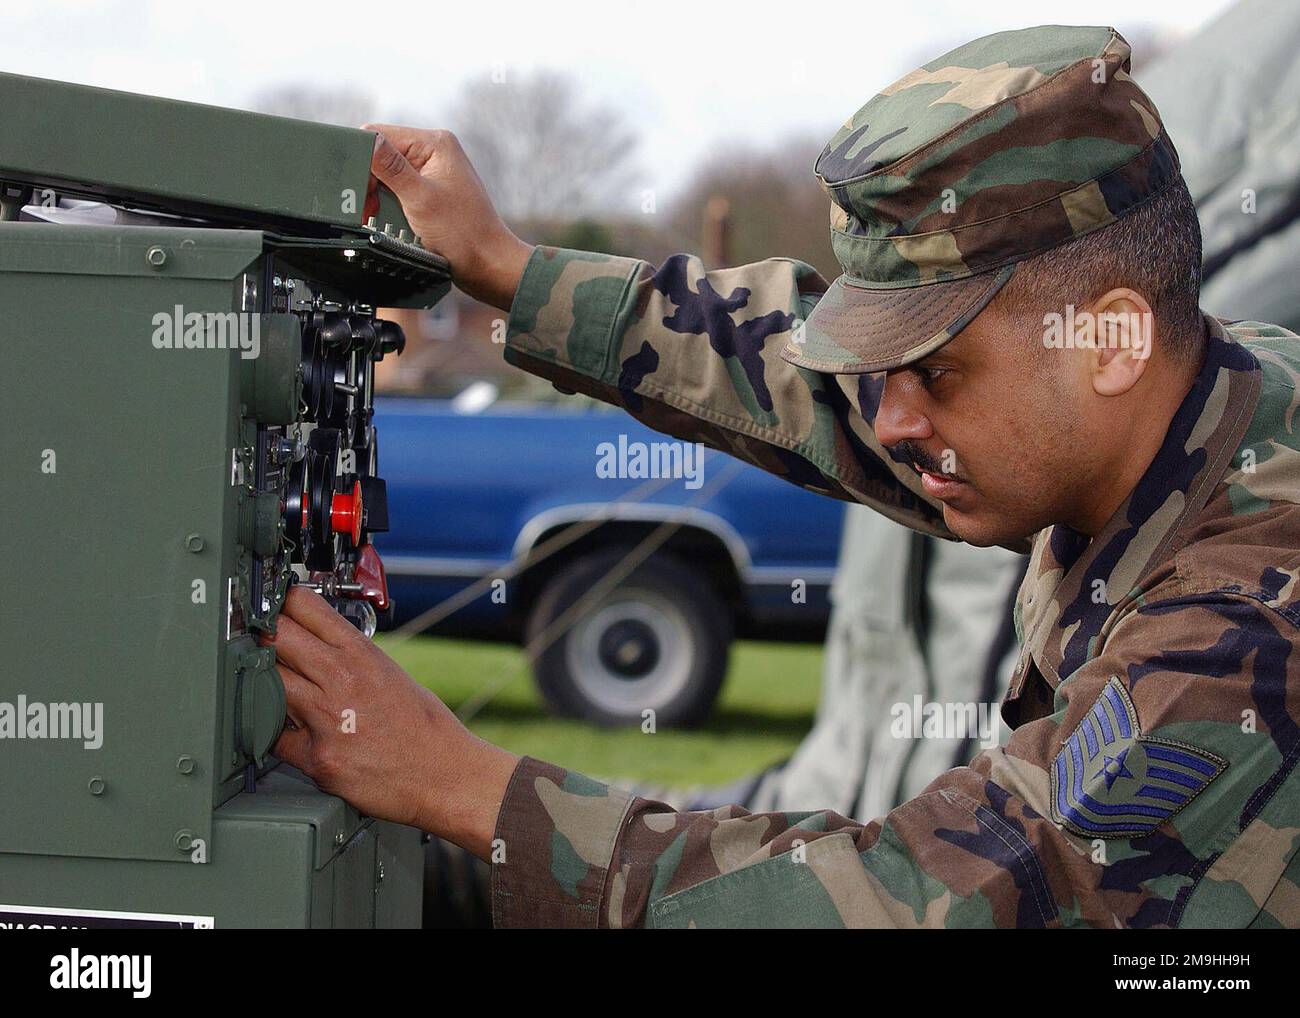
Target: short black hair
pixel 1154 249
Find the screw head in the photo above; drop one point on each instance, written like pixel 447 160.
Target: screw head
pixel 194 543
pixel 184 839
pixel 185 764
pixel 156 257
pixel 96 785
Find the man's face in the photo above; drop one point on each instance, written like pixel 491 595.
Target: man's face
pixel 998 425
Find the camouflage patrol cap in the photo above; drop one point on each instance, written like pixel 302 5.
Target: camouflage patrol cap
pixel 990 154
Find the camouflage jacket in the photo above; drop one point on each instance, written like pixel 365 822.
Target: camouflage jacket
pixel 1149 779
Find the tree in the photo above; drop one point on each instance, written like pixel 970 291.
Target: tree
pixel 774 204
pixel 344 107
pixel 544 155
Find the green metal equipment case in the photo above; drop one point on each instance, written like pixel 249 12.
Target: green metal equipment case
pixel 143 509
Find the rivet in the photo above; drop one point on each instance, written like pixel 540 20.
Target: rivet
pixel 184 839
pixel 96 785
pixel 185 765
pixel 194 543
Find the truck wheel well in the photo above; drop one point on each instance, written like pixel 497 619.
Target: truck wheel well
pixel 693 545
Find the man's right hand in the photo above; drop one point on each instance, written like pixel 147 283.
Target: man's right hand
pixel 449 209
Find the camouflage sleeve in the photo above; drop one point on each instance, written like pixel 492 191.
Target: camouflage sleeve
pixel 1160 792
pixel 695 354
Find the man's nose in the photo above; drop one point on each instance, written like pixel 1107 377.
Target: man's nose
pixel 899 416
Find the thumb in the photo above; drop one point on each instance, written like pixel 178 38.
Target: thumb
pixel 393 169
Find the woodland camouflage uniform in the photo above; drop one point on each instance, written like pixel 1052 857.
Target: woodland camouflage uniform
pixel 1149 779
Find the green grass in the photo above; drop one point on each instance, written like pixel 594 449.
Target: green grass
pixel 765 710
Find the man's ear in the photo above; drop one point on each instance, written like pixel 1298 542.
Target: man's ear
pixel 1124 333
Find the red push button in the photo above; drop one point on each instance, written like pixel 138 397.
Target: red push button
pixel 345 513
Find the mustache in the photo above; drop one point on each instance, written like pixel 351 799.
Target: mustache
pixel 910 452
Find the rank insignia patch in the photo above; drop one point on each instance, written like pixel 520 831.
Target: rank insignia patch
pixel 1111 781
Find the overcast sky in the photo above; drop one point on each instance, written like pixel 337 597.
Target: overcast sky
pixel 691 75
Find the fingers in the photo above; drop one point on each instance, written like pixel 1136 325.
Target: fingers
pixel 314 614
pixel 302 697
pixel 294 748
pixel 390 165
pixel 294 744
pixel 402 137
pixel 310 658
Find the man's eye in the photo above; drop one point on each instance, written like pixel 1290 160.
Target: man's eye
pixel 929 376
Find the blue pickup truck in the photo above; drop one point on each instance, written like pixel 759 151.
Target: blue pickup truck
pixel 625 561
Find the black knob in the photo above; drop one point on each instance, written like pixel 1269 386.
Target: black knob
pixel 391 337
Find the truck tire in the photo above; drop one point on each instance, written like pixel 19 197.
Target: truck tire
pixel 657 641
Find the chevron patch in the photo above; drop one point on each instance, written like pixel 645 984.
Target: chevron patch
pixel 1111 781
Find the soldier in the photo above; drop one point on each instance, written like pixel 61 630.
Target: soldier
pixel 1014 355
